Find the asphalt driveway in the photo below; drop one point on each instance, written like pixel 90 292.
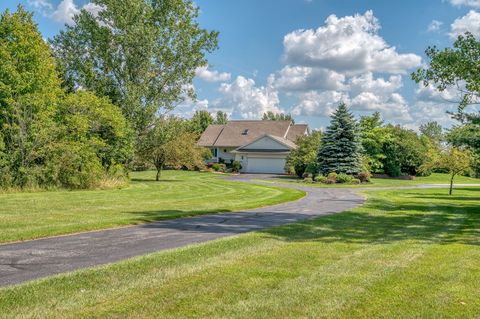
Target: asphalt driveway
pixel 24 261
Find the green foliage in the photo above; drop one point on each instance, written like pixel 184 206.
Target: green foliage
pixel 374 135
pixel 456 161
pixel 270 116
pixel 404 153
pixel 170 142
pixel 305 155
pixel 236 166
pixel 221 118
pixel 219 167
pixel 141 54
pixel 200 121
pixel 343 178
pixel 340 149
pixel 47 138
pixel 457 67
pixel 433 131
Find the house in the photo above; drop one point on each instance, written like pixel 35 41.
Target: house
pixel 260 146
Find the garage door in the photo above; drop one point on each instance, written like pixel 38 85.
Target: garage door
pixel 266 165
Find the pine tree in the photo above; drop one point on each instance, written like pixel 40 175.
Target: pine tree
pixel 340 148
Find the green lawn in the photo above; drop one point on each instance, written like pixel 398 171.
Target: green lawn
pixel 381 182
pixel 404 254
pixel 179 194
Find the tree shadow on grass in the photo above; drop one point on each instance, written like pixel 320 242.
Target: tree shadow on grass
pixel 444 224
pixel 149 180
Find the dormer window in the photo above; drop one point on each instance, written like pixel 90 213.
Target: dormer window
pixel 245 132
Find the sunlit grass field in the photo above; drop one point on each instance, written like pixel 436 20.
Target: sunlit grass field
pixel 404 254
pixel 178 194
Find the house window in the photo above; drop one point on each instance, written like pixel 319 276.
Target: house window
pixel 215 152
pixel 242 157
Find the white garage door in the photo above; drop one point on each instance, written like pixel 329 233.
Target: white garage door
pixel 266 165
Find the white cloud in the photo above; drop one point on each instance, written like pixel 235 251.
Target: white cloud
pixel 434 26
pixel 314 103
pixel 41 5
pixel 348 45
pixel 367 83
pixel 65 11
pixel 212 76
pixel 468 3
pixel 246 100
pixel 470 22
pixel 302 78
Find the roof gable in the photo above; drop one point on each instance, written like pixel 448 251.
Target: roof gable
pixel 267 143
pixel 238 133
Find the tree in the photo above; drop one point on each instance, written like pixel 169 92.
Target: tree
pixel 29 91
pixel 455 160
pixel 200 121
pixel 433 131
pixel 221 118
pixel 457 67
pixel 142 54
pixel 374 135
pixel 170 142
pixel 340 149
pixel 270 116
pixel 305 154
pixel 404 152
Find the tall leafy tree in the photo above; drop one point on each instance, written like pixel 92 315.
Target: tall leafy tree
pixel 29 91
pixel 221 117
pixel 142 54
pixel 340 149
pixel 201 120
pixel 433 131
pixel 374 135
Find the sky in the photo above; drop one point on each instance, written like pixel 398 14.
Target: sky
pixel 304 57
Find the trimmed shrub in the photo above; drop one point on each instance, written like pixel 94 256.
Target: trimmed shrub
pixel 236 166
pixel 344 178
pixel 364 177
pixel 332 178
pixel 321 179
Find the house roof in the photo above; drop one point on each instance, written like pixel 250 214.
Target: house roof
pixel 239 133
pixel 283 141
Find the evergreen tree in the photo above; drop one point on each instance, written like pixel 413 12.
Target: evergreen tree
pixel 340 150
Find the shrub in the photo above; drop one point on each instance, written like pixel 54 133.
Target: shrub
pixel 218 167
pixel 344 178
pixel 236 166
pixel 332 178
pixel 321 179
pixel 355 181
pixel 308 180
pixel 305 175
pixel 364 177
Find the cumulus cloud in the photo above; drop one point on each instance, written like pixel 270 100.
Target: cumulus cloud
pixel 469 22
pixel 41 5
pixel 314 103
pixel 434 26
pixel 468 3
pixel 348 45
pixel 65 10
pixel 212 76
pixel 246 100
pixel 302 78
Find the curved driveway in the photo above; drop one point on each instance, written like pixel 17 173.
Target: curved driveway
pixel 23 261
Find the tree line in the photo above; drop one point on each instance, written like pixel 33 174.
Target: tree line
pixel 92 103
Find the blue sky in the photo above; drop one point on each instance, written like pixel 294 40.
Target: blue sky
pixel 304 57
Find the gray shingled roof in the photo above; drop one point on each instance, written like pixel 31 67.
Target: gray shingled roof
pixel 238 133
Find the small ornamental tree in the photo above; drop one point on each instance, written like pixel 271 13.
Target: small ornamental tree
pixel 453 159
pixel 340 149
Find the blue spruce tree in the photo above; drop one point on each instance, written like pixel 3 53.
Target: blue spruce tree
pixel 340 151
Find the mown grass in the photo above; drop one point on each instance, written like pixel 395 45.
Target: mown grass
pixel 178 194
pixel 435 178
pixel 404 254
